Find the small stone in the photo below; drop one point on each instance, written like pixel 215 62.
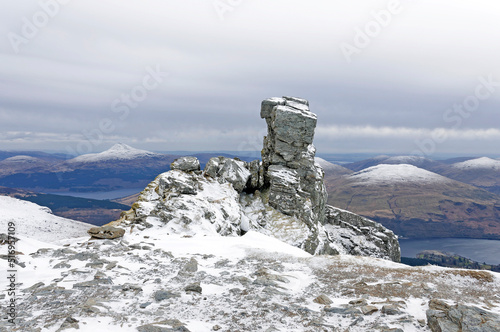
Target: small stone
pixel 390 309
pixel 69 323
pixel 216 328
pixel 164 295
pixel 62 265
pixel 368 309
pixel 196 288
pixel 191 266
pixel 359 302
pixel 145 305
pixel 323 299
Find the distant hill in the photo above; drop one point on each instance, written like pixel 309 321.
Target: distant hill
pixel 120 167
pixel 481 172
pixel 414 202
pixel 421 162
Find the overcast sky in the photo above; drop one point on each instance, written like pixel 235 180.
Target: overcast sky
pixel 400 77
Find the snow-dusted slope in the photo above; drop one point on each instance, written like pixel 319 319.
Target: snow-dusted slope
pixel 479 163
pixel 118 151
pixel 330 167
pixel 152 280
pixel 396 174
pixel 21 159
pixel 37 222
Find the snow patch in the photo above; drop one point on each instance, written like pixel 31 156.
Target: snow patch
pixel 386 174
pixel 116 152
pixel 479 163
pixel 37 222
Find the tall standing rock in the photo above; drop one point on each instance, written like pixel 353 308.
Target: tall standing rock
pixel 283 196
pixel 295 182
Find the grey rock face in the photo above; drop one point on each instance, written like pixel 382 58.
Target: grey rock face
pixel 442 317
pixel 295 182
pixel 186 164
pixel 229 170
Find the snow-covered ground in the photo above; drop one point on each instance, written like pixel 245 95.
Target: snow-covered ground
pixel 402 173
pixel 479 163
pixel 118 151
pixel 249 283
pixel 37 222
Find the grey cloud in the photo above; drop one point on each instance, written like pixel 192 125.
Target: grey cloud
pixel 65 80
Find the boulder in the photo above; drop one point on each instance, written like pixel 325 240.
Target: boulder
pixel 186 164
pixel 106 232
pixel 442 317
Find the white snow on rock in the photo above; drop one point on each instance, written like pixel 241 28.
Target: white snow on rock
pixel 118 151
pixel 479 163
pixel 403 173
pixel 38 222
pixel 190 204
pixel 249 283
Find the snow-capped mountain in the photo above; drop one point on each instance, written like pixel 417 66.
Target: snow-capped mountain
pixel 481 172
pixel 479 163
pixel 421 162
pixel 117 152
pixel 22 163
pixel 414 202
pixel 37 222
pixel 402 173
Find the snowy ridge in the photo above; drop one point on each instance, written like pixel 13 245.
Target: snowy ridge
pixel 118 151
pixel 411 160
pixel 22 159
pixel 479 163
pixel 37 222
pixel 328 166
pixel 402 173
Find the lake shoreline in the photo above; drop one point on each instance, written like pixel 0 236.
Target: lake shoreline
pixel 479 250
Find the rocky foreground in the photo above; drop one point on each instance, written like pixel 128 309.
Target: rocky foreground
pixel 152 280
pixel 243 247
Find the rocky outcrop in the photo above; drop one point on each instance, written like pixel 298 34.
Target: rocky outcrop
pixel 186 164
pixel 442 317
pixel 283 196
pixel 295 180
pixel 352 234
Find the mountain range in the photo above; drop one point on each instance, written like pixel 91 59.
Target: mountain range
pixel 421 198
pixel 449 198
pixel 119 167
pixel 239 246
